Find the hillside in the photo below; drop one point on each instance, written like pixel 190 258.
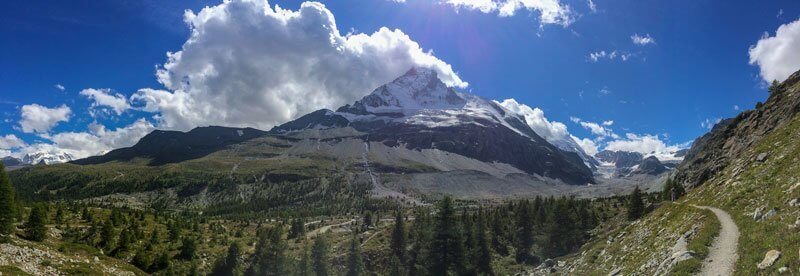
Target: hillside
pixel 747 166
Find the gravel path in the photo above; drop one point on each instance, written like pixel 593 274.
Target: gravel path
pixel 721 259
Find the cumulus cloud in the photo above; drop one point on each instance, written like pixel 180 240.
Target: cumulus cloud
pixel 588 145
pixel 598 130
pixel 642 40
pixel 778 56
pixel 648 145
pixel 549 130
pixel 37 118
pixel 11 141
pixel 548 11
pixel 106 98
pixel 98 140
pixel 248 64
pixel 59 87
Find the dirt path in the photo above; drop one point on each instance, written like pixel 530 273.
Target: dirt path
pixel 721 259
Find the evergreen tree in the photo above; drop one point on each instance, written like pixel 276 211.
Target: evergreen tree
pixel 8 205
pixel 297 229
pixel 398 243
pixel 355 264
pixel 270 255
pixel 36 227
pixel 773 87
pixel 188 249
pixel 447 248
pixel 86 215
pixel 319 256
pixel 142 260
pixel 523 238
pixel 108 236
pixel 230 264
pixel 420 236
pixel 60 214
pixel 482 255
pixel 396 267
pixel 635 204
pixel 499 232
pixel 303 265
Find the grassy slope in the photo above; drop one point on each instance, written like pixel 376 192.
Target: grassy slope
pixel 748 184
pixel 638 247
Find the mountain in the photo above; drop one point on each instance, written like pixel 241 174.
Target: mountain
pixel 620 159
pixel 412 138
pixel 47 158
pixel 9 161
pixel 650 165
pixel 417 111
pixel 162 147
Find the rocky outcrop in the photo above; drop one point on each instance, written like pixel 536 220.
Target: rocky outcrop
pixel 769 259
pixel 712 152
pixel 651 165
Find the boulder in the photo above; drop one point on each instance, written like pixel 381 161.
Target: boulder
pixel 783 270
pixel 758 213
pixel 769 259
pixel 770 213
pixel 794 202
pixel 762 157
pixel 615 272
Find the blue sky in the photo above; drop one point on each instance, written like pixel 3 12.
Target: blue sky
pixel 697 68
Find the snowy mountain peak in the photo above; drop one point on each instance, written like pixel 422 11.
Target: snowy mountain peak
pixel 419 88
pixel 47 158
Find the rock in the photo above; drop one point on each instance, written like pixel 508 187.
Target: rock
pixel 770 213
pixel 758 213
pixel 549 262
pixel 794 202
pixel 769 259
pixel 682 256
pixel 96 259
pixel 615 272
pixel 762 157
pixel 783 270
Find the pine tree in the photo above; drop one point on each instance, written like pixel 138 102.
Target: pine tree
pixel 523 238
pixel 270 255
pixel 420 237
pixel 355 264
pixel 319 256
pixel 188 249
pixel 499 233
pixel 482 254
pixel 303 265
pixel 8 205
pixel 108 236
pixel 635 204
pixel 36 227
pixel 396 267
pixel 398 243
pixel 447 248
pixel 773 87
pixel 298 229
pixel 229 265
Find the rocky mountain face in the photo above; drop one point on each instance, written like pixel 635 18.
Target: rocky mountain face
pixel 620 159
pixel 46 158
pixel 417 111
pixel 622 164
pixel 729 138
pixel 9 161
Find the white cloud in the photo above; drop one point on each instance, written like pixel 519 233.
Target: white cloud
pixel 648 145
pixel 37 118
pixel 247 64
pixel 548 11
pixel 549 130
pixel 11 141
pixel 105 98
pixel 592 6
pixel 596 129
pixel 709 123
pixel 778 56
pixel 609 55
pixel 588 146
pixel 642 40
pixel 736 107
pixel 97 141
pixel 59 87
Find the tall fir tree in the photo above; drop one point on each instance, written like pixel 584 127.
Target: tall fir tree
pixel 447 247
pixel 303 267
pixel 420 236
pixel 355 263
pixel 523 238
pixel 482 254
pixel 635 204
pixel 8 206
pixel 230 264
pixel 270 255
pixel 188 249
pixel 319 256
pixel 36 226
pixel 398 242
